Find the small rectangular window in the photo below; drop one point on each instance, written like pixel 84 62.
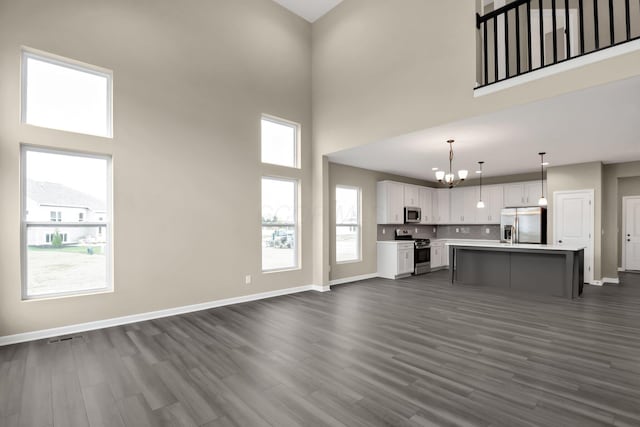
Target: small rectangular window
pixel 279 142
pixel 66 95
pixel 347 224
pixel 61 256
pixel 56 216
pixel 280 240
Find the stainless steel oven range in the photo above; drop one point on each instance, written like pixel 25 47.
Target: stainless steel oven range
pixel 421 252
pixel 421 256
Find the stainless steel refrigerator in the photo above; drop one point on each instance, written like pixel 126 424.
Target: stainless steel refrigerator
pixel 524 225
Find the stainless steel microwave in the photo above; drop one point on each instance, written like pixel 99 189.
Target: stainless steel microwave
pixel 412 214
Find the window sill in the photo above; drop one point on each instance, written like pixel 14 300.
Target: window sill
pixel 284 270
pixel 353 261
pixel 65 295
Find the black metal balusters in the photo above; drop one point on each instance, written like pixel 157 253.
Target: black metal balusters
pixel 550 46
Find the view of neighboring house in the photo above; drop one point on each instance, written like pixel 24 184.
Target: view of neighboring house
pixel 57 203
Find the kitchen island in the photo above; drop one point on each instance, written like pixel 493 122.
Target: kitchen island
pixel 556 270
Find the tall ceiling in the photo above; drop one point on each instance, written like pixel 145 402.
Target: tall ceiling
pixel 596 124
pixel 311 10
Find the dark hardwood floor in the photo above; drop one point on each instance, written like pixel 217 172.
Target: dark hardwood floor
pixel 413 352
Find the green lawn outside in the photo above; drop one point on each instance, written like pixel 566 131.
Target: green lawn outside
pixel 68 249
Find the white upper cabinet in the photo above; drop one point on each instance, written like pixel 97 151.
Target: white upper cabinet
pixel 441 206
pixel 457 205
pixel 492 196
pixel 390 203
pixel 426 205
pixel 522 194
pixel 411 196
pixel 532 192
pixel 514 195
pixel 453 206
pixel 463 205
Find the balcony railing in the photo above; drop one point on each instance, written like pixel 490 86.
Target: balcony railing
pixel 527 35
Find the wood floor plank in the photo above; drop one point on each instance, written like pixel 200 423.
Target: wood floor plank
pixel 102 408
pixel 409 352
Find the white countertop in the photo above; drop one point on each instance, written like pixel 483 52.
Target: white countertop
pixel 464 240
pixel 396 241
pixel 518 246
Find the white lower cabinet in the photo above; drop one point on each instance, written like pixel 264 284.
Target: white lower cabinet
pixel 395 259
pixel 437 260
pixel 439 255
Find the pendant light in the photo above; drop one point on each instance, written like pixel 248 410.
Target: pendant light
pixel 449 178
pixel 542 201
pixel 480 204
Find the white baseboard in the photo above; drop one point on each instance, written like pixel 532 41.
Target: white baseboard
pixel 613 280
pixel 621 269
pixel 352 279
pixel 117 321
pixel 595 283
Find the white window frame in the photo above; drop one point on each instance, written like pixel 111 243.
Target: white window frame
pixel 296 144
pixel 358 225
pixel 295 225
pixel 24 224
pixel 71 64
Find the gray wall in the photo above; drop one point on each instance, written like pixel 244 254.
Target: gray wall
pixel 366 180
pixel 191 80
pixel 584 176
pixel 381 70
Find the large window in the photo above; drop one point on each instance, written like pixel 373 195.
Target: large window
pixel 60 254
pixel 63 94
pixel 279 142
pixel 347 224
pixel 279 224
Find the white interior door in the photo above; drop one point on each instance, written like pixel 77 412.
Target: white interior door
pixel 631 230
pixel 573 224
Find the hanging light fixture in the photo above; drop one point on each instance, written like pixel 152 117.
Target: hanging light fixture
pixel 542 201
pixel 449 178
pixel 480 204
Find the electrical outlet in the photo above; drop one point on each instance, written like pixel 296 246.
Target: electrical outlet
pixel 457 230
pixel 247 279
pixel 488 231
pixel 434 229
pixel 416 230
pixel 384 231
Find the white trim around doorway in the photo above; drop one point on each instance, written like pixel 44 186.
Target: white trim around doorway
pixel 592 223
pixel 623 260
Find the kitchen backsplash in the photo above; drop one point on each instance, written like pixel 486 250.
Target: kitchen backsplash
pixel 484 232
pixel 387 232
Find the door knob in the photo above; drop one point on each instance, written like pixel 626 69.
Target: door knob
pixel 559 241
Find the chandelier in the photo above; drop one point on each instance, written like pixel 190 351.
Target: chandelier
pixel 450 178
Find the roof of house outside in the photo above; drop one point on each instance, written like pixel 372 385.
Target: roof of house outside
pixel 52 194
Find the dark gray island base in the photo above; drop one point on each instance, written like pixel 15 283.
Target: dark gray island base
pixel 540 269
